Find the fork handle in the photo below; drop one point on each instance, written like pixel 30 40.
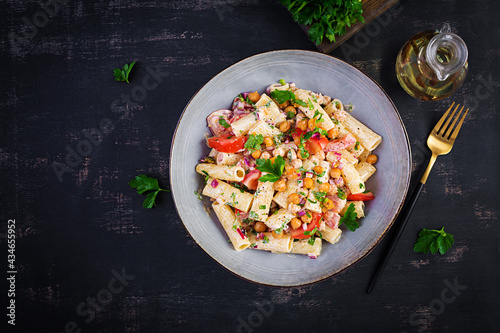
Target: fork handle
pixel 400 225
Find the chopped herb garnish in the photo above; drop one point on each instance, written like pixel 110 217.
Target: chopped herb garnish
pixel 198 195
pixel 223 122
pixel 282 82
pixel 310 105
pixel 254 141
pixel 266 240
pixel 262 207
pixel 207 176
pixel 335 121
pixel 311 201
pixel 253 215
pixel 341 194
pixel 361 186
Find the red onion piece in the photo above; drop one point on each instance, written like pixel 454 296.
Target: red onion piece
pixel 214 183
pixel 341 166
pixel 240 233
pixel 301 213
pixel 312 256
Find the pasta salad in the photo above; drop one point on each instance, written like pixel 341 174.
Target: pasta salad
pixel 287 168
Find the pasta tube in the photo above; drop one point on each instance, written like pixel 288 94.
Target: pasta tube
pixel 229 195
pixel 223 172
pixel 231 225
pixel 269 243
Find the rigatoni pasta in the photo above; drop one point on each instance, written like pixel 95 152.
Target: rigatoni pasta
pixel 287 170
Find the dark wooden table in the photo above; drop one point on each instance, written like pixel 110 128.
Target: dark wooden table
pixel 89 258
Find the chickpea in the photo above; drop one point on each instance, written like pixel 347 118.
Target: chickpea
pixel 372 159
pixel 256 154
pixel 335 173
pixel 318 169
pixel 296 140
pixel 254 97
pixel 280 185
pixel 295 223
pixel 284 105
pixel 294 198
pixel 260 227
pixel 268 141
pixel 311 124
pixel 325 187
pixel 284 126
pixel 290 172
pixel 333 132
pixel 302 124
pixel 308 183
pixel 290 109
pixel 275 235
pixel 307 217
pixel 328 203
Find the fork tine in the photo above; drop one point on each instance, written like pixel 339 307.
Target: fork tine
pixel 455 132
pixel 447 136
pixel 445 126
pixel 440 122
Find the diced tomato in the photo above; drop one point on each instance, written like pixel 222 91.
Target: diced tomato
pixel 313 145
pixel 251 179
pixel 227 144
pixel 361 197
pixel 299 232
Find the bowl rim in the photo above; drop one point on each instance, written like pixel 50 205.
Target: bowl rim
pixel 388 226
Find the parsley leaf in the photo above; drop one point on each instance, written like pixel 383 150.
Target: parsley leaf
pixel 433 240
pixel 254 141
pixel 143 184
pixel 349 218
pixel 281 96
pixel 282 82
pixel 122 74
pixel 341 194
pixel 274 170
pixel 223 122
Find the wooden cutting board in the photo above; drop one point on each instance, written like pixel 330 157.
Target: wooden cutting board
pixel 371 10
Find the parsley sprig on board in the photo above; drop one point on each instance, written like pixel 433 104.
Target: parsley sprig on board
pixel 274 169
pixel 433 241
pixel 122 74
pixel 143 184
pixel 326 18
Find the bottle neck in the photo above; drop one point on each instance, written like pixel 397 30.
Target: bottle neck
pixel 446 54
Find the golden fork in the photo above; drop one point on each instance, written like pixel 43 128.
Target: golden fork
pixel 440 142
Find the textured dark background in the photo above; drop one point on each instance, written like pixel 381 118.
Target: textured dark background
pixel 71 234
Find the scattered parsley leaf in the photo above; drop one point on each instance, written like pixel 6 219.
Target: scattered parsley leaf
pixel 122 74
pixel 433 241
pixel 266 240
pixel 143 184
pixel 341 194
pixel 349 218
pixel 282 82
pixel 254 141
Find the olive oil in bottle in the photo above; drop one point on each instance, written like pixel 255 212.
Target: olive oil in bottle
pixel 432 65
